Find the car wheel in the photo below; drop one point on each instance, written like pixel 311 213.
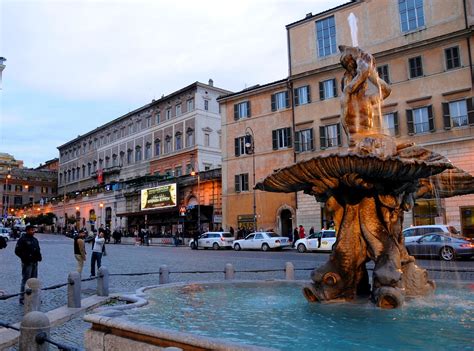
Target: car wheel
pixel 215 246
pixel 301 248
pixel 193 246
pixel 265 247
pixel 446 253
pixel 237 247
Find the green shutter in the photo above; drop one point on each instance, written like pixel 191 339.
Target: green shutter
pixel 248 109
pixel 236 112
pixel 237 183
pixel 411 129
pixel 308 89
pixel 288 137
pixel 339 139
pixel 322 138
pixel 321 91
pixel 237 148
pixel 287 99
pixel 296 97
pixel 273 102
pixel 446 115
pixel 275 140
pixel 431 118
pixel 470 110
pixel 334 86
pixel 311 139
pixel 297 141
pixel 395 123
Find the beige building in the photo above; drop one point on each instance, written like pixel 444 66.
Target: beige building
pixel 423 49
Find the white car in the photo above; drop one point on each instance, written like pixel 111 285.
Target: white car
pixel 261 241
pixel 215 240
pixel 311 243
pixel 414 233
pixel 5 232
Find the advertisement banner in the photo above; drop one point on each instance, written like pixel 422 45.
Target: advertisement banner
pixel 159 197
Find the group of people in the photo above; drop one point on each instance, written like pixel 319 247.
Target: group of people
pixel 98 250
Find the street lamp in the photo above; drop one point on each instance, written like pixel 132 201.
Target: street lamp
pixel 7 194
pixel 2 67
pixel 194 173
pixel 101 205
pixel 250 149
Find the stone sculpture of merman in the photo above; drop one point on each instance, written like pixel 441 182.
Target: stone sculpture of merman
pixel 368 188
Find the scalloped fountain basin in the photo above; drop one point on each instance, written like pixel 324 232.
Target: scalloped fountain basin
pixel 275 314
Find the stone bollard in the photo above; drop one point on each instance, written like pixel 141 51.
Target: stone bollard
pixel 164 274
pixel 32 295
pixel 32 324
pixel 289 271
pixel 229 271
pixel 74 290
pixel 103 282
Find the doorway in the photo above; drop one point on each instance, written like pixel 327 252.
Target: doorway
pixel 286 222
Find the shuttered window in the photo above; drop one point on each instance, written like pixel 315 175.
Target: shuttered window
pixel 330 136
pixel 302 95
pixel 242 110
pixel 281 138
pixel 280 101
pixel 241 182
pixel 327 89
pixel 304 140
pixel 390 121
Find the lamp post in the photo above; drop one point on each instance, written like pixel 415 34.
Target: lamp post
pixel 2 67
pixel 101 205
pixel 7 194
pixel 250 149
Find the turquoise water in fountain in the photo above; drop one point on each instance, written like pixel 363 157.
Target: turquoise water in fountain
pixel 275 314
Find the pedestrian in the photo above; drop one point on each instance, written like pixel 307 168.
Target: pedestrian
pixel 295 236
pixel 301 232
pixel 231 230
pixel 311 231
pixel 97 249
pixel 28 250
pixel 80 250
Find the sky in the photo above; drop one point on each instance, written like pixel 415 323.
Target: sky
pixel 75 65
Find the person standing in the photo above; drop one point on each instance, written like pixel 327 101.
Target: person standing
pixel 97 250
pixel 80 250
pixel 301 232
pixel 28 250
pixel 311 231
pixel 295 236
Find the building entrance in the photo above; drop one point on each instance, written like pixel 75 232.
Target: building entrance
pixel 286 223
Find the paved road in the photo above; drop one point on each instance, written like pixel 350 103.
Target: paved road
pixel 58 261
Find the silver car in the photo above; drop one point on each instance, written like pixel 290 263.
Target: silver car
pixel 6 233
pixel 445 247
pixel 214 240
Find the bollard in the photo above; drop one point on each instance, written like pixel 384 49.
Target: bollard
pixel 164 274
pixel 74 290
pixel 289 271
pixel 32 324
pixel 32 295
pixel 229 271
pixel 103 282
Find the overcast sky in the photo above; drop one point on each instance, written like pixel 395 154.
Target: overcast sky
pixel 74 65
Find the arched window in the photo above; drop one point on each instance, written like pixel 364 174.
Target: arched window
pixel 114 160
pixel 178 141
pixel 189 137
pixel 138 154
pixel 147 151
pixel 157 147
pixel 168 146
pixel 129 156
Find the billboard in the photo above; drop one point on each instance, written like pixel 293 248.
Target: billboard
pixel 159 197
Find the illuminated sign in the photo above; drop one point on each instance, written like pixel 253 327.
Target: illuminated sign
pixel 159 197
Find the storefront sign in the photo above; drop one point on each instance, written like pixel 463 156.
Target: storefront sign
pixel 159 197
pixel 217 218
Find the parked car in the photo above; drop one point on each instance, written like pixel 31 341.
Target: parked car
pixel 443 246
pixel 311 243
pixel 261 241
pixel 215 240
pixel 414 233
pixel 5 232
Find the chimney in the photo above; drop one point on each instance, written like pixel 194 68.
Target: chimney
pixel 309 14
pixel 211 82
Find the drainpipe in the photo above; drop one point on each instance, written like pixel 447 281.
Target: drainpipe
pixel 468 43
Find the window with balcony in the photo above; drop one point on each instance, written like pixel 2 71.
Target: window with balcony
pixel 138 154
pixel 458 113
pixel 101 163
pixel 129 156
pixel 390 123
pixel 452 58
pixel 107 162
pixel 383 73
pixel 147 151
pixel 122 157
pixel 178 139
pixel 302 95
pixel 241 182
pixel 304 140
pixel 326 36
pixel 189 137
pixel 327 89
pixel 420 120
pixel 416 67
pixel 280 101
pixel 168 145
pixel 242 110
pixel 411 14
pixel 330 136
pixel 157 147
pixel 281 138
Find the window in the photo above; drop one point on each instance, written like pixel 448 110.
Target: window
pixel 168 114
pixel 178 110
pixel 327 89
pixel 102 140
pixel 89 169
pixel 239 146
pixel 122 157
pixel 178 141
pixel 147 151
pixel 190 105
pixel 129 156
pixel 190 137
pixel 330 136
pixel 148 122
pixel 83 171
pixel 458 113
pixel 73 174
pixel 18 187
pixel 281 138
pixel 122 132
pixel 114 160
pixel 420 120
pixel 242 110
pixel 383 73
pixel 138 154
pixel 280 101
pixel 206 105
pixel 101 163
pixel 207 139
pixel 116 134
pixel 416 67
pixel 326 36
pixel 18 200
pixel 94 166
pixel 158 116
pixel 411 14
pixel 107 162
pixel 137 126
pixel 302 95
pixel 189 168
pixel 452 58
pixel 207 166
pixel 168 172
pixel 168 144
pixel 241 182
pixel 31 189
pixel 178 171
pixel 390 123
pixel 130 129
pixel 157 147
pixel 304 140
pixel 60 178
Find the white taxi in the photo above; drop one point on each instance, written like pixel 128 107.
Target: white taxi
pixel 320 241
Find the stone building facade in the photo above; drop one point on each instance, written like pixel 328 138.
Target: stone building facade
pixel 155 144
pixel 423 49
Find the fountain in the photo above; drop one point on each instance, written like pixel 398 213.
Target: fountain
pixel 367 188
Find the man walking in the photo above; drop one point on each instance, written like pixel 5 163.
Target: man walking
pixel 28 250
pixel 80 250
pixel 97 249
